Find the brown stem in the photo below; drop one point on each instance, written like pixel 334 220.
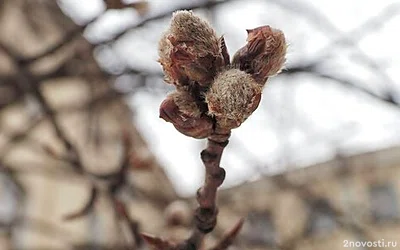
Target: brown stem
pixel 206 213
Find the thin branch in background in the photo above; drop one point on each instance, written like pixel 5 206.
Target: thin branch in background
pixel 17 187
pixel 20 136
pixel 64 41
pixel 228 238
pixel 30 84
pixel 119 206
pixel 71 35
pixel 11 53
pixel 351 39
pixel 310 69
pixel 86 208
pixel 157 242
pixel 133 226
pixel 67 38
pixel 140 6
pixel 144 21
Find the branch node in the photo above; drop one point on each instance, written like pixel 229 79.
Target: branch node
pixel 220 143
pixel 206 219
pixel 208 157
pixel 219 176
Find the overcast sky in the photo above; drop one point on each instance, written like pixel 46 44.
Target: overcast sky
pixel 296 124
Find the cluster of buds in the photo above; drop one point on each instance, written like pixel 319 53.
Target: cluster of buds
pixel 212 94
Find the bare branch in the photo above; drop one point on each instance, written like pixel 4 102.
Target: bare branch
pixel 157 242
pixel 206 213
pixel 67 38
pixel 197 5
pixel 313 70
pixel 87 208
pixel 229 237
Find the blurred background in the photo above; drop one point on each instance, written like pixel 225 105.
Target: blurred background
pixel 86 162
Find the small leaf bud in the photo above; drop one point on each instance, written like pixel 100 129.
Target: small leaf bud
pixel 190 50
pixel 181 110
pixel 233 97
pixel 263 55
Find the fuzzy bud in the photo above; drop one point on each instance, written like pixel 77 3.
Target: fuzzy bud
pixel 178 213
pixel 181 110
pixel 233 97
pixel 263 55
pixel 190 50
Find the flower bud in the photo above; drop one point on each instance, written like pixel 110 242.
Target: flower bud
pixel 263 55
pixel 232 98
pixel 190 50
pixel 181 110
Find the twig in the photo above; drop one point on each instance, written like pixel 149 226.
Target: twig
pixel 157 242
pixel 349 38
pixel 206 213
pixel 120 181
pixel 122 213
pixel 20 136
pixel 27 82
pixel 204 4
pixel 229 237
pixel 86 208
pixel 352 37
pixel 30 83
pixel 312 69
pixel 65 40
pixel 12 54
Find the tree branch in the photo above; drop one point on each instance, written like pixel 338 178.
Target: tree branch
pixel 207 211
pixel 198 5
pixel 65 40
pixel 313 70
pixel 229 237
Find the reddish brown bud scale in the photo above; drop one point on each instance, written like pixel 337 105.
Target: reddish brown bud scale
pixel 190 51
pixel 263 55
pixel 185 116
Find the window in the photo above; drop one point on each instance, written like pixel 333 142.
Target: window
pixel 260 229
pixel 384 204
pixel 321 218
